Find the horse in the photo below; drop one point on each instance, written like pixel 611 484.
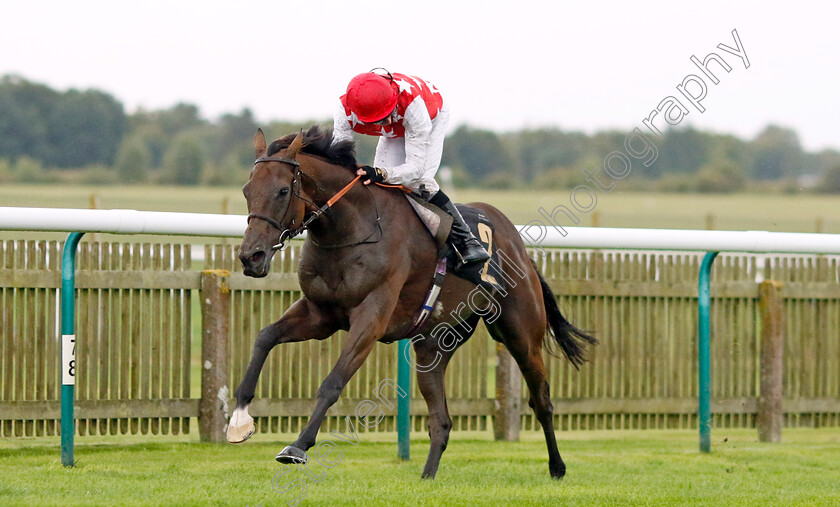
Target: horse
pixel 365 268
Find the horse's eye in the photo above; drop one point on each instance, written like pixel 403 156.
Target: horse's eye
pixel 283 191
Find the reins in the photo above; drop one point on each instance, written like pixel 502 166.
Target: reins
pixel 289 233
pixel 323 209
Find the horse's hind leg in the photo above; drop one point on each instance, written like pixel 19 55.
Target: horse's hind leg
pixel 524 341
pixel 430 382
pixel 432 387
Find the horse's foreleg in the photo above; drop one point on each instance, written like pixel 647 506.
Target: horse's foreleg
pixel 303 321
pixel 368 322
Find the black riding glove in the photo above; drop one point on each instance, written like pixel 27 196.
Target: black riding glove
pixel 373 174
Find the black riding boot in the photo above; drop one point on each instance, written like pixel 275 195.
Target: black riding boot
pixel 460 237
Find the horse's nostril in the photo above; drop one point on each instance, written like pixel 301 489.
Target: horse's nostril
pixel 258 257
pixel 256 263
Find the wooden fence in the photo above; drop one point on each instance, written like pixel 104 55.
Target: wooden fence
pixel 135 330
pixel 133 326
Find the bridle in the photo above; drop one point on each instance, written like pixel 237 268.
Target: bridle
pixel 287 233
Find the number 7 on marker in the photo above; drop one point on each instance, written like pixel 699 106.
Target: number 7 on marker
pixel 68 359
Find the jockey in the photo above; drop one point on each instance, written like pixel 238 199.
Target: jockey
pixel 410 116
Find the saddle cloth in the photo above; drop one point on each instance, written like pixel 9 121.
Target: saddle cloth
pixel 439 223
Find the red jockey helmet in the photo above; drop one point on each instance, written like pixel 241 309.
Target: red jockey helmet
pixel 371 97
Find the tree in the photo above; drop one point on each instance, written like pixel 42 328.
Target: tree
pixel 776 153
pixel 825 160
pixel 85 128
pixel 5 171
pixel 16 135
pixel 159 128
pixel 720 177
pixel 24 107
pixel 133 160
pixel 71 129
pixel 831 180
pixel 537 151
pixel 477 151
pixel 726 147
pixel 143 124
pixel 682 151
pixel 179 118
pixel 234 134
pixel 183 162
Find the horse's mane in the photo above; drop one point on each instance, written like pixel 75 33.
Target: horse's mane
pixel 318 142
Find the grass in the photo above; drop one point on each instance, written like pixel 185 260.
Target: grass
pixel 605 468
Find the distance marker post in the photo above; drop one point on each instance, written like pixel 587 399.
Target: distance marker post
pixel 68 346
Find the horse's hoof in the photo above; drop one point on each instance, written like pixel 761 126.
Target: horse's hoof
pixel 241 426
pixel 558 474
pixel 292 456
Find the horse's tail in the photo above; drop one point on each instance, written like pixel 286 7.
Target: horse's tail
pixel 570 339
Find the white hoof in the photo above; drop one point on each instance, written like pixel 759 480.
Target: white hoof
pixel 241 426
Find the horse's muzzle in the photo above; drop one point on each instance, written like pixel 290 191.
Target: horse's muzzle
pixel 255 264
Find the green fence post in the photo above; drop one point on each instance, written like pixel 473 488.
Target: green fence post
pixel 403 415
pixel 704 353
pixel 68 346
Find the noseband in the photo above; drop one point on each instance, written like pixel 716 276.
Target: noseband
pixel 285 232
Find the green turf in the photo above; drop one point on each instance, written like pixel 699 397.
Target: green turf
pixel 604 468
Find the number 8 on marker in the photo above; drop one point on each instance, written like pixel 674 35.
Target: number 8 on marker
pixel 68 359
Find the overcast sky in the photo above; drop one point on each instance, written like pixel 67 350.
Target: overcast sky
pixel 501 65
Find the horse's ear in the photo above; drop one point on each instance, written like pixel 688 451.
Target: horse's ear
pixel 259 142
pixel 295 146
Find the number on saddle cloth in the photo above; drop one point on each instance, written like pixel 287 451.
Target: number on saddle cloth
pixel 486 274
pixel 438 223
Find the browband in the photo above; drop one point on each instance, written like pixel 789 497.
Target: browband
pixel 278 159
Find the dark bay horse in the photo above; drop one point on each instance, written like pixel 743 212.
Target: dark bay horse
pixel 366 267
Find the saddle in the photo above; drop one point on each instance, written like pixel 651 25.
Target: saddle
pixel 438 223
